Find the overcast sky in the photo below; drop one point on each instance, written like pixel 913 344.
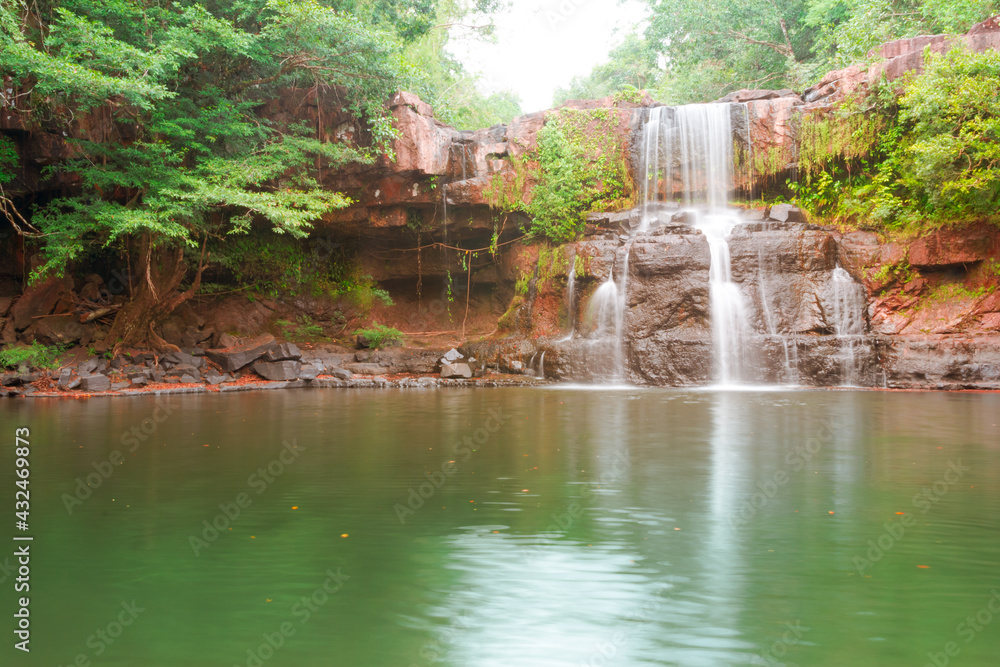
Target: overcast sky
pixel 542 44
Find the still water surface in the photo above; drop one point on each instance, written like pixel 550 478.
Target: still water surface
pixel 629 527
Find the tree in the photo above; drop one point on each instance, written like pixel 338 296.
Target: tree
pixel 183 84
pixel 632 65
pixel 442 81
pixel 713 46
pixel 850 29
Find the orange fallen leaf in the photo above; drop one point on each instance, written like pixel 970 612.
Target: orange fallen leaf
pixel 343 534
pixel 924 567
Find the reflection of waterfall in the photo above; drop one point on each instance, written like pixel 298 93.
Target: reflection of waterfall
pixel 688 153
pixel 849 305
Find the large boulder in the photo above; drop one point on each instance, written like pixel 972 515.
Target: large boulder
pixel 239 356
pixel 39 299
pixel 278 370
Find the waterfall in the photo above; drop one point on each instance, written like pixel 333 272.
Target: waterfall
pixel 607 316
pixel 849 305
pixel 571 295
pixel 688 156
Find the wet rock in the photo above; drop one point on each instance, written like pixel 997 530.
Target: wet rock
pixel 235 358
pixel 456 370
pixel 96 382
pixel 277 370
pixel 284 352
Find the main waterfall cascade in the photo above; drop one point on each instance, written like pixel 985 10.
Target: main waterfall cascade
pixel 686 179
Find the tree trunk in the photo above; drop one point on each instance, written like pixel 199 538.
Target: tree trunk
pixel 160 273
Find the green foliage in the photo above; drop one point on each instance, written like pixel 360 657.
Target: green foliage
pixel 8 159
pixel 931 158
pixel 698 50
pixel 379 335
pixel 442 80
pixel 303 330
pixel 582 167
pixel 630 68
pixel 849 29
pixel 35 355
pixel 951 167
pixel 187 82
pixel 281 266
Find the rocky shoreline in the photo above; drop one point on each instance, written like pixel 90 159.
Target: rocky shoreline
pixel 258 364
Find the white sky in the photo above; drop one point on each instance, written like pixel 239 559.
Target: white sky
pixel 542 44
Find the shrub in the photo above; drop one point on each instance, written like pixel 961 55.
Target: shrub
pixel 35 355
pixel 379 336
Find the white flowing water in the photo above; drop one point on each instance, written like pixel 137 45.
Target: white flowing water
pixel 571 296
pixel 607 316
pixel 688 156
pixel 730 324
pixel 849 305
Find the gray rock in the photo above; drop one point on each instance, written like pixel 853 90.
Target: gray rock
pixel 87 367
pixel 452 355
pixel 211 377
pixel 456 370
pixel 340 373
pixel 139 381
pixel 189 379
pixel 235 358
pixel 65 377
pixel 277 370
pixel 284 352
pixel 309 372
pixel 186 369
pixel 787 213
pixel 115 386
pixel 159 376
pixel 179 358
pixel 96 382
